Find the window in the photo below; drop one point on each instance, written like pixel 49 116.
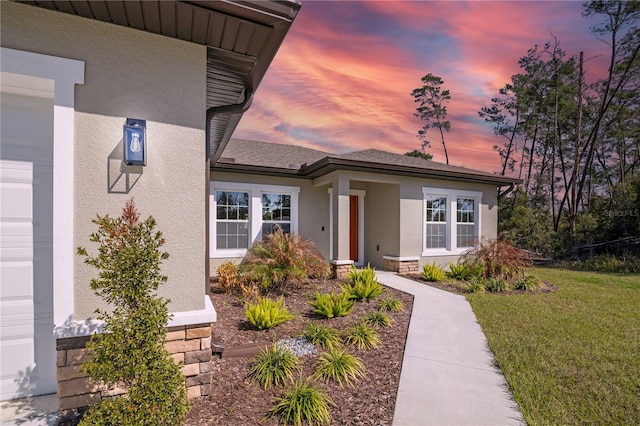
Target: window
pixel 232 220
pixel 436 224
pixel 451 221
pixel 465 217
pixel 276 210
pixel 242 213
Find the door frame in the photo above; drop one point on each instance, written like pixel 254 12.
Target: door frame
pixel 22 73
pixel 360 193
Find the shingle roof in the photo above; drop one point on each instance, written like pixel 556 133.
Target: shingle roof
pixel 279 159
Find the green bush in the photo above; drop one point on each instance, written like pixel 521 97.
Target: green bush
pixel 362 284
pixel 332 305
pixel 282 258
pixel 497 285
pixel 267 313
pixel 339 366
pixel 432 272
pixel 130 353
pixel 303 403
pixel 476 285
pixel 527 282
pixel 377 319
pixel 462 271
pixel 626 264
pixel 322 335
pixel 362 335
pixel 391 304
pixel 273 366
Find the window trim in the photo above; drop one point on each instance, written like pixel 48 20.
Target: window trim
pixel 451 223
pixel 255 192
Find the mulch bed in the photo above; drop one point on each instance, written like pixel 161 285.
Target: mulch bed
pixel 237 400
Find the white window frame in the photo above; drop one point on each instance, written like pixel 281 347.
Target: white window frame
pixel 255 192
pixel 452 195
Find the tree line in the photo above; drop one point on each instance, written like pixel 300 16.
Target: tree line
pixel 573 140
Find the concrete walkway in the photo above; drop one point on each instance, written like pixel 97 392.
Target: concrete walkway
pixel 448 375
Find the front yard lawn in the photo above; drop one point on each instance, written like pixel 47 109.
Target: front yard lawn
pixel 571 356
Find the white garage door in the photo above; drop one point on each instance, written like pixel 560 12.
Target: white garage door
pixel 27 345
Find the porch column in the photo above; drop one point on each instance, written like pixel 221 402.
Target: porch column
pixel 340 230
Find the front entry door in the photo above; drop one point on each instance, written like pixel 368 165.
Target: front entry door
pixel 354 226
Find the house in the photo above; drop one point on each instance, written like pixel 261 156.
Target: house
pixel 81 81
pixel 392 211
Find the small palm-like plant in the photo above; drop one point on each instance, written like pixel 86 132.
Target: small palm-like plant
pixel 377 319
pixel 322 335
pixel 497 285
pixel 339 366
pixel 303 403
pixel 459 271
pixel 391 304
pixel 527 282
pixel 362 335
pixel 282 258
pixel 362 284
pixel 432 272
pixel 267 313
pixel 476 285
pixel 332 305
pixel 273 366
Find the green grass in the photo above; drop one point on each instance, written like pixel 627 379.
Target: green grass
pixel 571 356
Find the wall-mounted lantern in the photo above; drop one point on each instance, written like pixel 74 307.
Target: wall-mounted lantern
pixel 135 142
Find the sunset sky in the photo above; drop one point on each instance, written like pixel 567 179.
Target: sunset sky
pixel 343 77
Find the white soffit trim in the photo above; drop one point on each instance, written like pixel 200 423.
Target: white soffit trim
pixel 65 74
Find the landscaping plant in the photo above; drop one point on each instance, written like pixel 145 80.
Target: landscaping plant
pixel 498 258
pixel 377 319
pixel 274 365
pixel 229 277
pixel 362 284
pixel 281 258
pixel 432 272
pixel 322 335
pixel 391 304
pixel 527 282
pixel 362 335
pixel 339 366
pixel 332 305
pixel 267 313
pixel 303 403
pixel 130 352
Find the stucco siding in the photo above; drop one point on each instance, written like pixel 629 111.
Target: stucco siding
pixel 131 73
pixel 382 222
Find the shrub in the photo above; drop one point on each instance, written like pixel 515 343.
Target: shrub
pixel 432 272
pixel 267 313
pixel 497 285
pixel 362 284
pixel 282 258
pixel 362 335
pixel 339 366
pixel 131 353
pixel 498 258
pixel 377 319
pixel 332 305
pixel 476 285
pixel 321 335
pixel 391 304
pixel 303 403
pixel 229 277
pixel 527 282
pixel 273 366
pixel 462 271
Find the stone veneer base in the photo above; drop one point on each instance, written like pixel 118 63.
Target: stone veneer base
pixel 400 265
pixel 187 344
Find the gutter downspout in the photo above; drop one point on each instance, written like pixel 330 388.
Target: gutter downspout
pixel 506 191
pixel 211 114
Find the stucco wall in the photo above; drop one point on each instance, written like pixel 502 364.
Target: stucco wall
pixel 382 222
pixel 131 73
